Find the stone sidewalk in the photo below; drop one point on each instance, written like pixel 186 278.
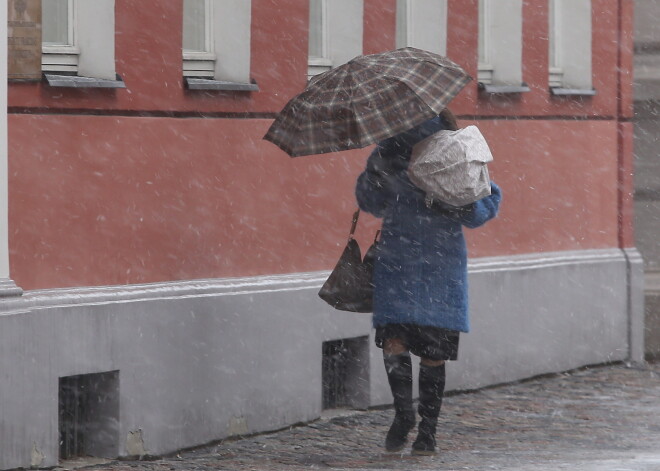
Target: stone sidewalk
pixel 596 419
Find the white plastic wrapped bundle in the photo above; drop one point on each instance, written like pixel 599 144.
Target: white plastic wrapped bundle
pixel 451 166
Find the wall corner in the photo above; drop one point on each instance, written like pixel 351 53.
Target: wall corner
pixel 635 304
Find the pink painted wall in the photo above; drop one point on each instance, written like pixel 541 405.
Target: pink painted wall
pixel 379 26
pixel 559 181
pixel 107 200
pixel 118 199
pixel 114 200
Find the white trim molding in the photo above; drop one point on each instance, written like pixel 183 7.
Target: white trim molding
pixel 39 299
pixel 539 260
pixel 62 297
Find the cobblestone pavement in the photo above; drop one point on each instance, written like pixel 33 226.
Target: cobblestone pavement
pixel 598 419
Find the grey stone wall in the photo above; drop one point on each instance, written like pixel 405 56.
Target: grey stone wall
pixel 198 361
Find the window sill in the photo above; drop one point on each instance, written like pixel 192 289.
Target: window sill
pixel 196 83
pixel 503 89
pixel 560 91
pixel 485 73
pixel 317 66
pixel 198 65
pixel 60 60
pixel 75 81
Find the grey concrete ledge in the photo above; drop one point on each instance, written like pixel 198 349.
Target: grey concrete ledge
pixel 503 89
pixel 194 83
pixel 75 81
pixel 560 91
pixel 39 299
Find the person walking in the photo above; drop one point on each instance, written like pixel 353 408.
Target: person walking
pixel 420 279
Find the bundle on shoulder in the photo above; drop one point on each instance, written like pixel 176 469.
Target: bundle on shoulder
pixel 452 166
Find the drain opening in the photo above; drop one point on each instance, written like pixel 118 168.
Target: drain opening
pixel 345 373
pixel 89 415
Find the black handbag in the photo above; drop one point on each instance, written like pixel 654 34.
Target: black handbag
pixel 349 287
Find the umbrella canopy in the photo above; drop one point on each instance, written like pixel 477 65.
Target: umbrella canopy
pixel 366 100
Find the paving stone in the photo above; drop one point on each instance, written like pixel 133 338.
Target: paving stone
pixel 606 416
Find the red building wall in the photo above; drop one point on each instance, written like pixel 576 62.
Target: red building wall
pixel 156 183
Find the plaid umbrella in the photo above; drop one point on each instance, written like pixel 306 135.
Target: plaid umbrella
pixel 365 100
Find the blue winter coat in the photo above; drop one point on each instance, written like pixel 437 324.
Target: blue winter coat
pixel 420 274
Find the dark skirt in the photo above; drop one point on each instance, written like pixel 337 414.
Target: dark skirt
pixel 424 341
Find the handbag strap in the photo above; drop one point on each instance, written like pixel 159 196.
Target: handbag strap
pixel 356 215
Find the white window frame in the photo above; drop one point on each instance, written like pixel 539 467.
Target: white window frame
pixel 555 32
pixel 342 36
pixel 424 25
pixel 500 43
pixel 485 68
pixel 91 52
pixel 228 34
pixel 570 26
pixel 62 58
pixel 202 63
pixel 322 63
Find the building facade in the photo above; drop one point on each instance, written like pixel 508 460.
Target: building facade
pixel 647 161
pixel 163 260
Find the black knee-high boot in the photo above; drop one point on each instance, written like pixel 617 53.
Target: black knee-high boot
pixel 431 391
pixel 399 375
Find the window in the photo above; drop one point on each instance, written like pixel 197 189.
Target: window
pixel 216 44
pixel 485 69
pixel 59 51
pixel 422 24
pixel 335 33
pixel 319 60
pixel 500 46
pixel 199 60
pixel 79 40
pixel 570 47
